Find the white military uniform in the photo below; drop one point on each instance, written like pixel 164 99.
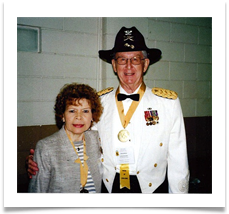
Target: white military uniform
pixel 151 149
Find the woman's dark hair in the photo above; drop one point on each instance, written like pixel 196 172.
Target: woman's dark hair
pixel 69 94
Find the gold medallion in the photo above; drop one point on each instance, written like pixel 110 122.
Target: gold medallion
pixel 123 135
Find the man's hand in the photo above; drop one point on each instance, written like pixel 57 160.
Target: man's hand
pixel 31 165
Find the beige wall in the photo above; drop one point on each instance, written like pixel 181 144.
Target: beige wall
pixel 70 54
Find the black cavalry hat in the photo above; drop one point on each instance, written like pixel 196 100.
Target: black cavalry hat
pixel 130 39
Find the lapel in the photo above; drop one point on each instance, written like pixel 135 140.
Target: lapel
pixel 69 151
pixel 92 148
pixel 106 128
pixel 149 133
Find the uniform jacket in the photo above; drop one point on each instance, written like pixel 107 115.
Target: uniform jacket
pixel 156 146
pixel 57 171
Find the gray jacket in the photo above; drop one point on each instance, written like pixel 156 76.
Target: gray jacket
pixel 55 157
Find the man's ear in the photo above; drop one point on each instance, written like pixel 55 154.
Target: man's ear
pixel 113 65
pixel 146 64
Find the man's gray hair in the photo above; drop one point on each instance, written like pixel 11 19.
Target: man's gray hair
pixel 145 54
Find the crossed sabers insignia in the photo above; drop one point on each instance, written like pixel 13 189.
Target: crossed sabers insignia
pixel 128 38
pixel 128 35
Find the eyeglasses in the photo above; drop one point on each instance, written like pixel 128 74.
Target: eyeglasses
pixel 134 60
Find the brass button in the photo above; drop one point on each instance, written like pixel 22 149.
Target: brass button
pixel 155 165
pixel 102 159
pixel 115 167
pixel 137 172
pixel 161 144
pixel 150 184
pixel 107 180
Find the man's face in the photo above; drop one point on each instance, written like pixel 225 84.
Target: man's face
pixel 130 75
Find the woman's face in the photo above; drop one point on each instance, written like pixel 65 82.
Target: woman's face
pixel 77 119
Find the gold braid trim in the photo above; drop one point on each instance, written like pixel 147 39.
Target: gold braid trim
pixel 161 92
pixel 105 91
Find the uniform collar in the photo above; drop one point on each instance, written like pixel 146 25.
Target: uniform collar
pixel 121 90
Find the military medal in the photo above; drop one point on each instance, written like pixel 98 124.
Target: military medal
pixel 151 117
pixel 123 135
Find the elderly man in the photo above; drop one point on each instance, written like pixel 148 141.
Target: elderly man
pixel 141 129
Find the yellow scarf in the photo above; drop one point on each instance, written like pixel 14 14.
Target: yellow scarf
pixel 84 166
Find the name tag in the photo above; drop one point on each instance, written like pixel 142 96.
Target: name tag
pixel 125 155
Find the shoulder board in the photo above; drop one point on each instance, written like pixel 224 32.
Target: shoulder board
pixel 105 91
pixel 161 92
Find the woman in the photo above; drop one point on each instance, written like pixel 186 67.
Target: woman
pixel 69 160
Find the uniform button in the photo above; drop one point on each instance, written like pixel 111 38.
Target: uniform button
pixel 161 144
pixel 137 172
pixel 150 184
pixel 155 165
pixel 107 180
pixel 102 159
